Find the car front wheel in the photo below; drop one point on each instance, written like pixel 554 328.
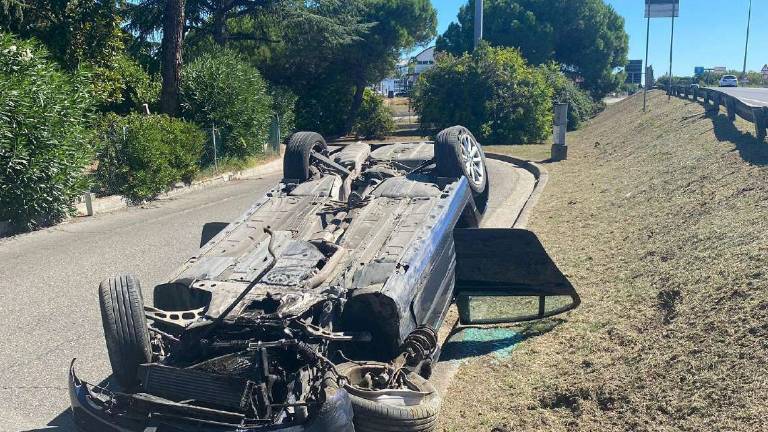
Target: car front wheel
pixel 125 327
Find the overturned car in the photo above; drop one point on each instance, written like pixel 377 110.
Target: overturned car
pixel 317 310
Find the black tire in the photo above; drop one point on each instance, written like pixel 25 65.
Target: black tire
pixel 125 327
pixel 448 160
pixel 372 416
pixel 296 161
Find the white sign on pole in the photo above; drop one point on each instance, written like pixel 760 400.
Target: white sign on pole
pixel 662 8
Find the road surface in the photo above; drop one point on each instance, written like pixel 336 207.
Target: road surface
pixel 49 280
pixel 755 97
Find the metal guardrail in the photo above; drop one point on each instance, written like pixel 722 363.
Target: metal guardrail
pixel 713 99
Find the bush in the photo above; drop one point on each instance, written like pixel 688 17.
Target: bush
pixel 221 89
pixel 284 105
pixel 374 119
pixel 581 106
pixel 44 116
pixel 141 157
pixel 492 91
pixel 324 108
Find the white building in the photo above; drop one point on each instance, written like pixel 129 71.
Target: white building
pixel 406 73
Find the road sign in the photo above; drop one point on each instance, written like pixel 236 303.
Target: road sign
pixel 765 72
pixel 634 71
pixel 662 8
pixel 698 71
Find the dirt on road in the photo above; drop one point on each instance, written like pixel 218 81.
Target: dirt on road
pixel 659 220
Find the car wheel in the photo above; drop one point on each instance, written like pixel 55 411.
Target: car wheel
pixel 125 327
pixel 372 415
pixel 296 161
pixel 457 153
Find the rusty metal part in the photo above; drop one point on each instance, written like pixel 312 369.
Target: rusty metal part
pixel 324 273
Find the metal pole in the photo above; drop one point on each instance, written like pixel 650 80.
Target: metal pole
pixel 645 71
pixel 746 45
pixel 215 156
pixel 671 43
pixel 478 22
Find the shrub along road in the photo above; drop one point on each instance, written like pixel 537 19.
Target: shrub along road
pixel 49 280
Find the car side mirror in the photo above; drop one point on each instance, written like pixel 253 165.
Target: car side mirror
pixel 506 276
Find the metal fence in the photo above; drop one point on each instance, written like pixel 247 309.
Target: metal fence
pixel 713 99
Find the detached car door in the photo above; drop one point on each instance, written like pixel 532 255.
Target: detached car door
pixel 505 275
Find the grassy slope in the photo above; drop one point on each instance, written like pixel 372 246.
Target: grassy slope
pixel 659 220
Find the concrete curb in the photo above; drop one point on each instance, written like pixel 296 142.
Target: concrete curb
pixel 542 177
pixel 115 202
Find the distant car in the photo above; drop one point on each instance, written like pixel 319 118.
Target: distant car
pixel 729 81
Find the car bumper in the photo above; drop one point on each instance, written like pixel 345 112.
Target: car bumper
pixel 335 415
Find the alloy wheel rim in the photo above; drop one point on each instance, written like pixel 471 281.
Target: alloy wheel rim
pixel 471 159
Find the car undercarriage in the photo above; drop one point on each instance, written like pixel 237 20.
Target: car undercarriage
pixel 317 307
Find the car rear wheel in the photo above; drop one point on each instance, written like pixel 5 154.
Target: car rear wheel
pixel 371 415
pixel 457 153
pixel 125 327
pixel 296 161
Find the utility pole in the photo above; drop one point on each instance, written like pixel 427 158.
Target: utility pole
pixel 671 43
pixel 746 45
pixel 478 22
pixel 645 74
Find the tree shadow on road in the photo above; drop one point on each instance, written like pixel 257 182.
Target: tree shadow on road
pixel 751 149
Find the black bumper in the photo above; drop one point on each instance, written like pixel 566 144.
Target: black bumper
pixel 335 415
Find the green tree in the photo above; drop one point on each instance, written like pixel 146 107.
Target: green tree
pixel 586 36
pixel 492 91
pixel 220 89
pixel 398 25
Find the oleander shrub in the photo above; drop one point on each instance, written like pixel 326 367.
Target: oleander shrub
pixel 44 135
pixel 222 90
pixel 492 91
pixel 374 120
pixel 142 156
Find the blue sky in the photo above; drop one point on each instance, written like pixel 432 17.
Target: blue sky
pixel 708 33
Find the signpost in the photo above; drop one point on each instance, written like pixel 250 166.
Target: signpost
pixel 634 71
pixel 661 9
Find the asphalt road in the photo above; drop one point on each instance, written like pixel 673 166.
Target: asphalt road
pixel 49 280
pixel 756 97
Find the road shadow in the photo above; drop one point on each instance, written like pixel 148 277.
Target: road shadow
pixel 474 341
pixel 64 422
pixel 61 423
pixel 751 149
pixel 210 230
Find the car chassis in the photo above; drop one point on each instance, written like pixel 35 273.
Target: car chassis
pixel 320 304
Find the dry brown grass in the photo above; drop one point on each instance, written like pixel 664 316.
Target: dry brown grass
pixel 659 220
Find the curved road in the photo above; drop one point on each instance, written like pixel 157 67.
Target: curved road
pixel 48 282
pixel 755 97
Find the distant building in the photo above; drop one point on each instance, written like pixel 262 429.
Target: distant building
pixel 406 73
